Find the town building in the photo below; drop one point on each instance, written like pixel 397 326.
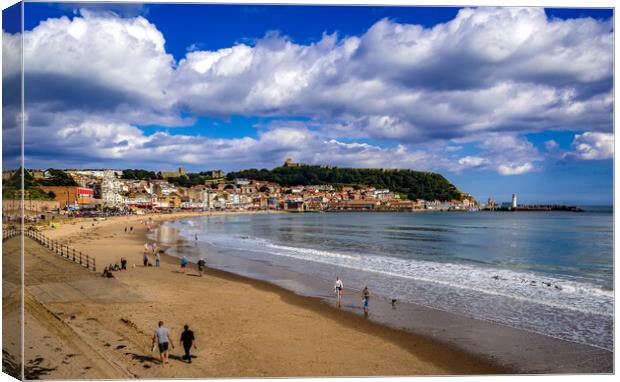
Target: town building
pixel 216 173
pixel 172 174
pixel 72 197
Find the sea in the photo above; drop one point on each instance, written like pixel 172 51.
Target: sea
pixel 545 272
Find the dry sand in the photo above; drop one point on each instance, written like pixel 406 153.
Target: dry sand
pixel 244 328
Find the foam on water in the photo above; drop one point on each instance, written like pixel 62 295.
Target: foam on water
pixel 531 287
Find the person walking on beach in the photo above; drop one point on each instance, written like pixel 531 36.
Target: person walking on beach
pixel 187 340
pixel 365 300
pixel 123 264
pixel 157 259
pixel 183 264
pixel 162 336
pixel 338 287
pixel 201 264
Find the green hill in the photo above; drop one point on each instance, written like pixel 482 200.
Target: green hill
pixel 12 186
pixel 415 184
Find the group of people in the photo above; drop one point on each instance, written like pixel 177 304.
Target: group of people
pixel 153 248
pixel 107 271
pixel 161 340
pixel 183 266
pixel 339 287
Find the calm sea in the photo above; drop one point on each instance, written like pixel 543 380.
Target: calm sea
pixel 548 272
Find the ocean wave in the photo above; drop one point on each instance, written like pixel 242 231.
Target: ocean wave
pixel 525 286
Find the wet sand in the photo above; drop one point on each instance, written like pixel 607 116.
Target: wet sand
pixel 244 327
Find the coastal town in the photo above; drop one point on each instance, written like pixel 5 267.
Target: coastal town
pixel 111 191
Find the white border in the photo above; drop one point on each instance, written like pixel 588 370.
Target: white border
pixel 546 3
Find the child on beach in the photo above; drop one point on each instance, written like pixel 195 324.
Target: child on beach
pixel 183 264
pixel 123 264
pixel 338 286
pixel 365 300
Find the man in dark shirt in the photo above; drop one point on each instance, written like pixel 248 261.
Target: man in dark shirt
pixel 187 340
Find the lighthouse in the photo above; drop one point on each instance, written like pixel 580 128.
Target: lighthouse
pixel 514 201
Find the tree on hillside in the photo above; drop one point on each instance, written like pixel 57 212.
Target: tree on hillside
pixel 57 178
pixel 415 184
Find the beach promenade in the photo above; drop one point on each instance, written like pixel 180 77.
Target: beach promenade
pixel 244 328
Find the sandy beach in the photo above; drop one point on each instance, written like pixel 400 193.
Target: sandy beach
pixel 244 327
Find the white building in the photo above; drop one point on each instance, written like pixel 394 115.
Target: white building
pixel 111 188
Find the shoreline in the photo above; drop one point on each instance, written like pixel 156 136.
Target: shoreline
pixel 402 337
pixel 432 341
pixel 545 353
pixel 279 321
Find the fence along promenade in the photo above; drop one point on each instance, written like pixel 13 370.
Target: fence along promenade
pixel 63 250
pixel 9 233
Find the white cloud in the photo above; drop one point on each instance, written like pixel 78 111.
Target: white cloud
pixel 515 169
pixel 551 145
pixel 100 64
pixel 594 146
pixel 472 161
pixel 506 154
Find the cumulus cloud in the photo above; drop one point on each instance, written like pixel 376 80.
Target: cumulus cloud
pixel 472 161
pixel 488 69
pixel 486 77
pixel 104 143
pixel 515 169
pixel 551 145
pixel 594 146
pixel 97 63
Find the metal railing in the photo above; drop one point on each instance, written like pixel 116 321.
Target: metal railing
pixel 63 250
pixel 9 233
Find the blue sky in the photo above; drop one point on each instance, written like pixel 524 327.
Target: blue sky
pixel 498 100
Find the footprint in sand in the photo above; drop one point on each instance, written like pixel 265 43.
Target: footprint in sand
pixel 121 347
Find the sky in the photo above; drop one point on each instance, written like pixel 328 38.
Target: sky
pixel 498 100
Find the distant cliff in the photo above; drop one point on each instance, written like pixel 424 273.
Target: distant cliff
pixel 414 184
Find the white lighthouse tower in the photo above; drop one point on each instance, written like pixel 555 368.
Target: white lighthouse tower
pixel 514 201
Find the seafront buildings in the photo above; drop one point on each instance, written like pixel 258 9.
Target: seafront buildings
pixel 109 190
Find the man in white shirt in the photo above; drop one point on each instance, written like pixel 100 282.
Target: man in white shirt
pixel 162 336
